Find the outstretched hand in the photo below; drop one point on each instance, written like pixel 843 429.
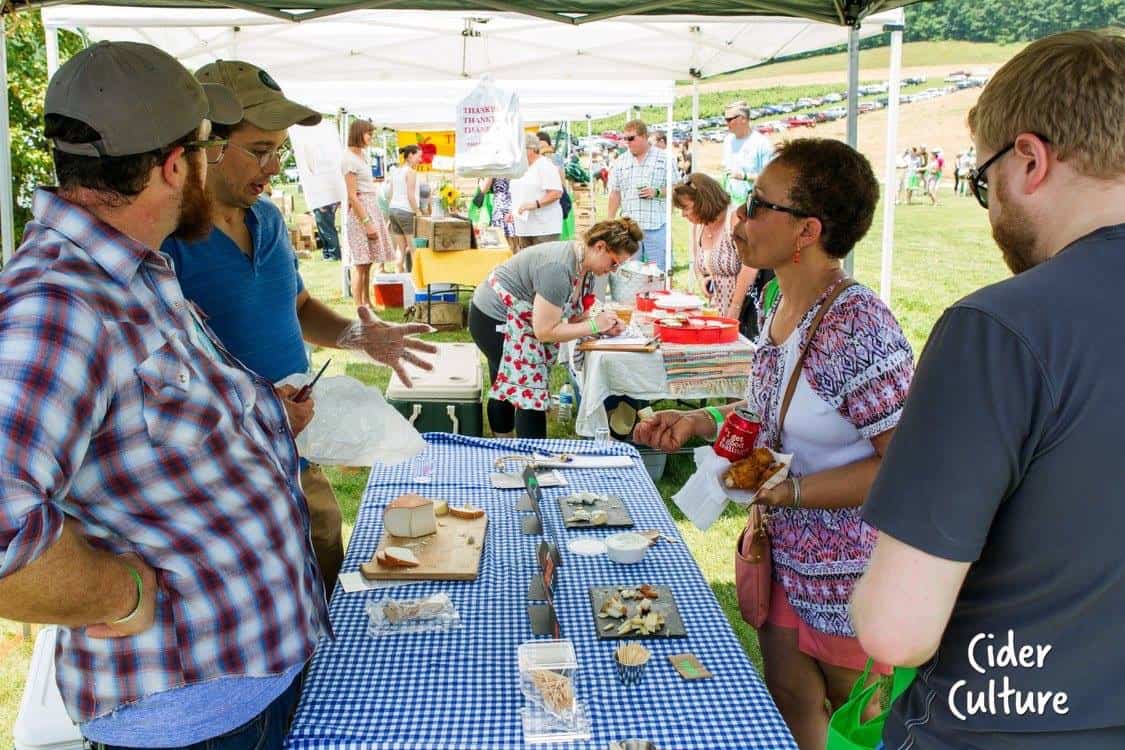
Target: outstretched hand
pixel 387 343
pixel 666 430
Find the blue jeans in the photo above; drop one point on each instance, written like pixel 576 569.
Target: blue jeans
pixel 266 731
pixel 652 246
pixel 326 228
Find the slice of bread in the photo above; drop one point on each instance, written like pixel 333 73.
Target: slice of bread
pixel 400 557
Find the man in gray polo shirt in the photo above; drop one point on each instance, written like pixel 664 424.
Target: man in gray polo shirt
pixel 1000 504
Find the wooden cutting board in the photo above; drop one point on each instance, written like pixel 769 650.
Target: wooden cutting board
pixel 444 556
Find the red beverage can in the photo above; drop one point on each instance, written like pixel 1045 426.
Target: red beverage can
pixel 738 434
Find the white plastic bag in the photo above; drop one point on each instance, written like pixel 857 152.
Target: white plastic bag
pixel 490 133
pixel 353 425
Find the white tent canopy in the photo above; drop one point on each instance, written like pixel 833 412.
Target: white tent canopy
pixel 424 105
pixel 377 45
pixel 360 53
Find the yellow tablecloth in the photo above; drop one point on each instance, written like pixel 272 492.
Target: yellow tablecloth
pixel 468 267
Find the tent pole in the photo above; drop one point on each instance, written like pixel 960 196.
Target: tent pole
pixel 853 111
pixel 52 38
pixel 345 249
pixel 890 183
pixel 693 147
pixel 7 210
pixel 669 181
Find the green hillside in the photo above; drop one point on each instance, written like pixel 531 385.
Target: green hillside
pixel 914 54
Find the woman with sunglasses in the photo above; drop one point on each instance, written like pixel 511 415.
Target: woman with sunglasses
pixel 720 272
pixel 533 302
pixel 809 207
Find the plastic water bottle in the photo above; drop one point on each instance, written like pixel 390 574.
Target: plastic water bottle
pixel 566 402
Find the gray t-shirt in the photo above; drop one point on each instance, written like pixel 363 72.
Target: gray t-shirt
pixel 1008 456
pixel 548 270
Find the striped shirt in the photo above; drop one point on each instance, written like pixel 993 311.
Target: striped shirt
pixel 628 176
pixel 112 415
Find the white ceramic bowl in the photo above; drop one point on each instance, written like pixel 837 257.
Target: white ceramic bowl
pixel 627 547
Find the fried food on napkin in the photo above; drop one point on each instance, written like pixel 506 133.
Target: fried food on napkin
pixel 751 472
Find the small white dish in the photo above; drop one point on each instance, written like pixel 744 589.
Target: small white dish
pixel 587 546
pixel 627 547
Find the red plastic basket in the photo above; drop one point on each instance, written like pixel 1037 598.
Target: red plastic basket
pixel 698 330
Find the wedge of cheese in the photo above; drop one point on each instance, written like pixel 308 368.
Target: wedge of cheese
pixel 410 516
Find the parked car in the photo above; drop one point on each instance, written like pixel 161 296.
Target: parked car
pixel 765 128
pixel 865 107
pixel 801 121
pixel 755 113
pixel 833 98
pixel 612 135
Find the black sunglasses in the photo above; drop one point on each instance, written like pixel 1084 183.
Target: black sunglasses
pixel 978 179
pixel 753 203
pixel 731 119
pixel 629 138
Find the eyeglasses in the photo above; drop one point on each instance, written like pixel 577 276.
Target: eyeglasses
pixel 753 203
pixel 978 179
pixel 281 153
pixel 731 119
pixel 629 138
pixel 208 146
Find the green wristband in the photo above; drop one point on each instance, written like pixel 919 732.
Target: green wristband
pixel 715 415
pixel 593 326
pixel 140 596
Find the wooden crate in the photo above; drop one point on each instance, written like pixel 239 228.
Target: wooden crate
pixel 444 233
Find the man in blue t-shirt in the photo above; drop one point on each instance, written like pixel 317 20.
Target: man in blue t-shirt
pixel 1000 505
pixel 244 276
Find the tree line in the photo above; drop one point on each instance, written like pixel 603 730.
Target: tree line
pixel 1006 21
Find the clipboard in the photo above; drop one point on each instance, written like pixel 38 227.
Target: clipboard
pixel 595 345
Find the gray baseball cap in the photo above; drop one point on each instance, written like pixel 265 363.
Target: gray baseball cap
pixel 137 97
pixel 263 103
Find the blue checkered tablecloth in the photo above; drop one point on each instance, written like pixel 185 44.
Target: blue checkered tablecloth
pixel 459 690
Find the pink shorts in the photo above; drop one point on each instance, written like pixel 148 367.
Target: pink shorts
pixel 837 650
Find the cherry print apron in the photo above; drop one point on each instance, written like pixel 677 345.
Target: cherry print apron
pixel 523 377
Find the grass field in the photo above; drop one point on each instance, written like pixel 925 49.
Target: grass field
pixel 914 55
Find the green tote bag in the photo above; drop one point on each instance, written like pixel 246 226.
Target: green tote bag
pixel 847 730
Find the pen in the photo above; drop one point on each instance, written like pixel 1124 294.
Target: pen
pixel 306 389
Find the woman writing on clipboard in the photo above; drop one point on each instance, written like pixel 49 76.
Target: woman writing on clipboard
pixel 531 304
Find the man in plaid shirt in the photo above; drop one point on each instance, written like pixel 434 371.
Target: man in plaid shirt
pixel 149 495
pixel 638 183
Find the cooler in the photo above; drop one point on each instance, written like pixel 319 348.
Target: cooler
pixel 393 290
pixel 42 722
pixel 445 399
pixel 437 293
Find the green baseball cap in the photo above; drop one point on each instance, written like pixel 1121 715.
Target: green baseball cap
pixel 137 97
pixel 263 103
